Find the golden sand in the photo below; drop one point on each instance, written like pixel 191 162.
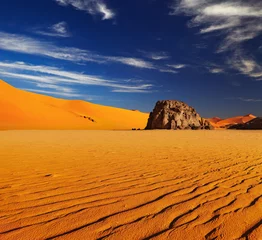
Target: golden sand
pixel 130 185
pixel 25 110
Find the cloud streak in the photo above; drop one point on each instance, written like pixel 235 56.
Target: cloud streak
pixel 236 22
pixel 246 65
pixel 28 45
pixel 216 70
pixel 176 66
pixel 92 7
pixel 156 56
pixel 57 30
pixel 59 93
pixel 251 100
pixel 239 21
pixel 51 77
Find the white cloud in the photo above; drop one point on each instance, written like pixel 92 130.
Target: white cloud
pixel 59 93
pixel 135 62
pixel 246 99
pixel 246 65
pixel 235 21
pixel 27 45
pixel 144 88
pixel 232 9
pixel 176 66
pixel 93 7
pixel 57 30
pixel 221 26
pixel 105 11
pixel 132 91
pixel 50 76
pixel 155 55
pixel 239 21
pixel 216 70
pixel 169 71
pixel 55 87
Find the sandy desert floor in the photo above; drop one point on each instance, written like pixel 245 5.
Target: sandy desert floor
pixel 130 185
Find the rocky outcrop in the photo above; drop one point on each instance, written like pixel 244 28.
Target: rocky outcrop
pixel 255 124
pixel 171 114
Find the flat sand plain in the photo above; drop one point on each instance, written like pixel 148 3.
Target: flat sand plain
pixel 131 185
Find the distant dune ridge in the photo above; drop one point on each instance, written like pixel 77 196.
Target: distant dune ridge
pixel 254 124
pixel 25 110
pixel 214 120
pixel 227 123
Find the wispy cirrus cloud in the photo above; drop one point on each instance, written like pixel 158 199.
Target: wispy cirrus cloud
pixel 135 62
pixel 92 7
pixel 239 21
pixel 44 76
pixel 216 70
pixel 157 56
pixel 169 71
pixel 57 30
pixel 235 21
pixel 176 66
pixel 28 45
pixel 70 95
pixel 251 100
pixel 245 64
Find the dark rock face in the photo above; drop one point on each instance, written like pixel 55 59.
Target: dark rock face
pixel 255 124
pixel 171 114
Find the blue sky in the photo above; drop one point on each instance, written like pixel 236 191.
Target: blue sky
pixel 130 54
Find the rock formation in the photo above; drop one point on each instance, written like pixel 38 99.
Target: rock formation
pixel 255 124
pixel 171 114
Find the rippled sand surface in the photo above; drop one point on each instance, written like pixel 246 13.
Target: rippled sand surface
pixel 130 185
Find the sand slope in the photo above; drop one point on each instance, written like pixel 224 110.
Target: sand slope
pixel 235 120
pixel 222 123
pixel 214 120
pixel 24 110
pixel 130 185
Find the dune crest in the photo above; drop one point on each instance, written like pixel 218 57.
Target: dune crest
pixel 214 120
pixel 25 110
pixel 226 123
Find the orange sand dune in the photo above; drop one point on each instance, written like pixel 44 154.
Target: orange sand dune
pixel 24 110
pixel 130 185
pixel 231 121
pixel 213 121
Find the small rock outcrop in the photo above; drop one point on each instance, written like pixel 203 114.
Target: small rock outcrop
pixel 171 114
pixel 255 124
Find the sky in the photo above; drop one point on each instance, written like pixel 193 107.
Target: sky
pixel 132 53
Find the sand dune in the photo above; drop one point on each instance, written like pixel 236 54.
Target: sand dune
pixel 24 110
pixel 214 120
pixel 222 123
pixel 130 185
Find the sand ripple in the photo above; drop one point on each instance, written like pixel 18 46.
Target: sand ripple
pixel 131 185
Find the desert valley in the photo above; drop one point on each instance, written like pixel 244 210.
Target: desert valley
pixel 60 181
pixel 131 120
